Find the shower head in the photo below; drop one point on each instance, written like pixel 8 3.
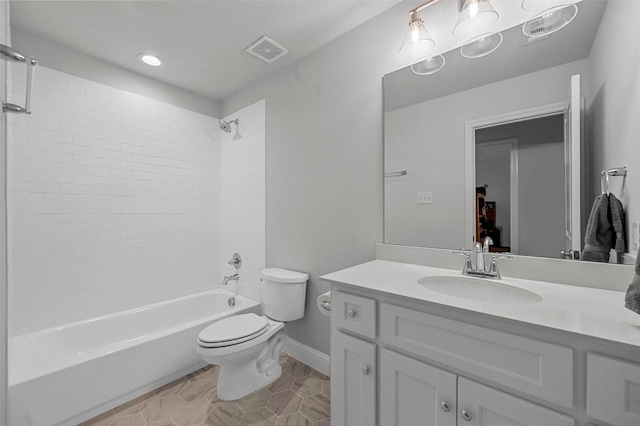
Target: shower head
pixel 226 125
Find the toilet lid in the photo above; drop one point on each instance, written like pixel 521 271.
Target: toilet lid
pixel 233 330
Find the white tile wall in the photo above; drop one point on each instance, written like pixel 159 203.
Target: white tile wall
pixel 242 186
pixel 115 201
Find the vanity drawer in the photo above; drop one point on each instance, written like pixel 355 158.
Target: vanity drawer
pixel 354 313
pixel 613 390
pixel 537 368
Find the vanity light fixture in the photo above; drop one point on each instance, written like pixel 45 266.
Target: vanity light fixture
pixel 550 21
pixel 150 59
pixel 428 66
pixel 481 46
pixel 418 42
pixel 475 17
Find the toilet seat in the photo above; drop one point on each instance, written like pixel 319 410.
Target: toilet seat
pixel 233 330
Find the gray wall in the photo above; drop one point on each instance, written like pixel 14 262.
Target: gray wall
pixel 614 94
pixel 324 158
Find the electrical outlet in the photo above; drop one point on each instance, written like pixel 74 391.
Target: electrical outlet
pixel 634 236
pixel 425 197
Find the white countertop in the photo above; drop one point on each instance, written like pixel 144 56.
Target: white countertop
pixel 587 311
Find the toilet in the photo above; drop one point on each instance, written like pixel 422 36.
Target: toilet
pixel 247 346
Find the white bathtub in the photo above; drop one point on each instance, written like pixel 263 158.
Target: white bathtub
pixel 65 375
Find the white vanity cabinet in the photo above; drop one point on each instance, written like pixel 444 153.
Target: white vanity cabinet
pixel 394 365
pixel 613 390
pixel 353 360
pixel 414 393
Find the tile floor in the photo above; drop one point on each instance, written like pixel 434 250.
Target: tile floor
pixel 300 397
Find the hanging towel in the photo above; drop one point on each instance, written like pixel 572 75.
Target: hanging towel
pixel 617 222
pixel 597 240
pixel 632 299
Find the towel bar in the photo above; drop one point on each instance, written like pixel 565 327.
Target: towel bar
pixel 10 54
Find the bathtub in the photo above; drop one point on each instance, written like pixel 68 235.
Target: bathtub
pixel 65 375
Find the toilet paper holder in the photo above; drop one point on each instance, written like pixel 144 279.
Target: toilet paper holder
pixel 326 305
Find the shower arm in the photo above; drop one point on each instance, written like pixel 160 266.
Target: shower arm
pixel 12 55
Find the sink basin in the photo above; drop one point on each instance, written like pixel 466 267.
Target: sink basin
pixel 478 289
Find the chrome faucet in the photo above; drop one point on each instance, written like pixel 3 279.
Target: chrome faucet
pixel 478 251
pixel 234 277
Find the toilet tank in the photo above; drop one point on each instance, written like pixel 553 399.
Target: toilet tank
pixel 283 293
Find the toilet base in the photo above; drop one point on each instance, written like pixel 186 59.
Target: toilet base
pixel 237 382
pixel 243 374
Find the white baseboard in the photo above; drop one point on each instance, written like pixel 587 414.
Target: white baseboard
pixel 312 357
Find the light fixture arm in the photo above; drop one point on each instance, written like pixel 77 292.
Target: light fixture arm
pixel 422 6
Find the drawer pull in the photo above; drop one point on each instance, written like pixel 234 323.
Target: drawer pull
pixel 445 406
pixel 466 416
pixel 351 313
pixel 365 371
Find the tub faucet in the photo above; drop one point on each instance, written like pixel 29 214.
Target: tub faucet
pixel 234 277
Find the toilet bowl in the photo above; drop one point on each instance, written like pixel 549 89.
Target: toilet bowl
pixel 247 347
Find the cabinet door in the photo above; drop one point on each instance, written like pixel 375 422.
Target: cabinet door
pixel 353 389
pixel 414 393
pixel 479 405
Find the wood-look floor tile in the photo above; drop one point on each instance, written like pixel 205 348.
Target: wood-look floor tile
pixel 132 420
pixel 229 414
pixel 307 386
pixel 283 383
pixel 163 422
pixel 162 408
pixel 284 403
pixel 193 413
pixel 171 388
pixel 209 372
pixel 319 375
pixel 102 420
pixel 295 419
pixel 255 400
pixel 134 406
pixel 261 417
pixel 300 397
pixel 317 407
pixel 298 369
pixel 197 390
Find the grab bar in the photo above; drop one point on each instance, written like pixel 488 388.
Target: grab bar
pixel 10 54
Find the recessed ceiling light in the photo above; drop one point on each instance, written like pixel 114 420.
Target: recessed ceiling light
pixel 149 59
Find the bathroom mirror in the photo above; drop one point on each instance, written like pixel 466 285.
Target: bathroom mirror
pixel 432 188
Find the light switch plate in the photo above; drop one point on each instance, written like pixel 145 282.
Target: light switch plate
pixel 425 197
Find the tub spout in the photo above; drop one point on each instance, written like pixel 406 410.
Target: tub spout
pixel 234 277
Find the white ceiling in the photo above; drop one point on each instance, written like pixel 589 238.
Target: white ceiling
pixel 202 42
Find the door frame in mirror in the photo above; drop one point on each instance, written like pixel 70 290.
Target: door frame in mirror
pixel 513 144
pixel 470 152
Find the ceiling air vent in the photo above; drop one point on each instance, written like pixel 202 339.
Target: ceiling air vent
pixel 267 50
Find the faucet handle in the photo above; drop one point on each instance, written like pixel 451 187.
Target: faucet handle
pixel 467 261
pixel 493 270
pixel 236 261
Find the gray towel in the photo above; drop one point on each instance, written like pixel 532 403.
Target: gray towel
pixel 632 299
pixel 605 230
pixel 617 222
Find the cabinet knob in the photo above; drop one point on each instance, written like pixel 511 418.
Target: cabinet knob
pixel 351 313
pixel 365 371
pixel 466 416
pixel 445 406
